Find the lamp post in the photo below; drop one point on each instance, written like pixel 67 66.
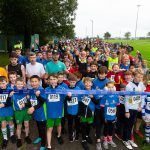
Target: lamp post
pixel 138 7
pixel 92 27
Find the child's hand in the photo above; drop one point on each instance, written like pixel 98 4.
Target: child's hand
pixel 2 105
pixel 37 93
pixel 31 110
pixel 11 93
pixel 127 115
pixel 91 96
pixel 22 106
pixel 28 96
pixel 69 94
pixel 139 109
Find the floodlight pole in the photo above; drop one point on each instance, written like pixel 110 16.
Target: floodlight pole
pixel 92 27
pixel 138 7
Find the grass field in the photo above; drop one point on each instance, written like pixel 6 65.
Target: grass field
pixel 141 45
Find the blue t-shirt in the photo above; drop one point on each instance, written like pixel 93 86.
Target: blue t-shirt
pixel 122 66
pixel 110 103
pixel 18 99
pixel 80 84
pixel 39 114
pixel 73 104
pixel 54 103
pixel 5 111
pixel 99 85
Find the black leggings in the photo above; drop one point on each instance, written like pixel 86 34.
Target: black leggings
pixel 85 130
pixel 71 119
pixel 99 122
pixel 108 128
pixel 42 132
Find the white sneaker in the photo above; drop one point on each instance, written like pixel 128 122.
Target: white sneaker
pixel 112 143
pixel 105 144
pixel 127 144
pixel 133 144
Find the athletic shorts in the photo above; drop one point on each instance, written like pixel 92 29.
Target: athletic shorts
pixel 7 118
pixel 88 120
pixel 51 122
pixel 21 116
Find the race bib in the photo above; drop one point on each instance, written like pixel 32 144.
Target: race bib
pixel 74 101
pixel 53 98
pixel 86 101
pixel 122 99
pixel 33 102
pixel 21 101
pixel 148 106
pixel 111 111
pixel 112 78
pixel 3 98
pixel 136 99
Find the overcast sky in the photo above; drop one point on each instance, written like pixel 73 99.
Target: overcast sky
pixel 114 16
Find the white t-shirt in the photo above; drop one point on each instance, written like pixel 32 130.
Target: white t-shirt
pixel 37 69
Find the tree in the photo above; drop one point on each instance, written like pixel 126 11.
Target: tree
pixel 107 35
pixel 127 35
pixel 45 17
pixel 148 34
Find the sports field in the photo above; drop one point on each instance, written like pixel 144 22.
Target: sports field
pixel 141 45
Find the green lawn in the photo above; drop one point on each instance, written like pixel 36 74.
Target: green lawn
pixel 141 45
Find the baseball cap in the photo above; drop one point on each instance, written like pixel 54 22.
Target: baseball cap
pixel 55 51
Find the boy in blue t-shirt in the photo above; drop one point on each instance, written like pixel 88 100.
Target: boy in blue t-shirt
pixel 38 109
pixel 6 113
pixel 54 104
pixel 72 103
pixel 109 104
pixel 21 116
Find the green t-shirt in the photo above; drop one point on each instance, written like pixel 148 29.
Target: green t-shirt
pixel 52 67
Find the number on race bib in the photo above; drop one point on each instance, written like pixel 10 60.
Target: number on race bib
pixel 86 101
pixel 112 78
pixel 74 101
pixel 3 98
pixel 136 99
pixel 33 102
pixel 53 97
pixel 111 111
pixel 21 101
pixel 148 106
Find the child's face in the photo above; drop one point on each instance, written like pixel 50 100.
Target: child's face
pixel 35 83
pixel 18 52
pixel 72 83
pixel 110 87
pixel 12 78
pixel 53 81
pixel 132 69
pixel 19 85
pixel 114 55
pixel 3 84
pixel 93 68
pixel 148 82
pixel 138 78
pixel 128 78
pixel 115 68
pixel 60 78
pixel 102 76
pixel 88 85
pixel 40 55
pixel 13 61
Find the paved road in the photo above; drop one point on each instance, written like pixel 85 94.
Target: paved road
pixel 66 146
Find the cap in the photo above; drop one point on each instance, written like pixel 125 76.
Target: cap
pixel 55 51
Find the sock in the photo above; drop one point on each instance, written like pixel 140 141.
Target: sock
pixel 4 132
pixel 147 133
pixel 109 138
pixel 11 128
pixel 105 138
